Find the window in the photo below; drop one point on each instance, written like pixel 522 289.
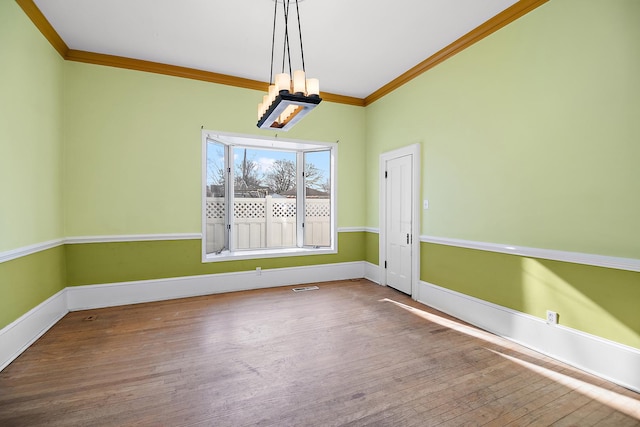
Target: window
pixel 267 197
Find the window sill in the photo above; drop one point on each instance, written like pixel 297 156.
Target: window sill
pixel 267 253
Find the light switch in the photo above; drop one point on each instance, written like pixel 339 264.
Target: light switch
pixel 425 204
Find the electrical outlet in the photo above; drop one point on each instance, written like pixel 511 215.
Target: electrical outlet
pixel 258 271
pixel 552 317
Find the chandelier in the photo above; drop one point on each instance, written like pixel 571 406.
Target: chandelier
pixel 291 96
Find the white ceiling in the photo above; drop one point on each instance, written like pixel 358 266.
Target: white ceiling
pixel 353 46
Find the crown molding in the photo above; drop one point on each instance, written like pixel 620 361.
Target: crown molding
pixel 159 68
pixel 47 30
pixel 505 17
pixel 187 73
pixel 42 24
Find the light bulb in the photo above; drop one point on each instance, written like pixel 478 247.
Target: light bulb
pixel 283 82
pixel 272 93
pixel 298 81
pixel 313 87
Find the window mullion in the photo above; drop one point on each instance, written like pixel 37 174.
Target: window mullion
pixel 300 194
pixel 230 197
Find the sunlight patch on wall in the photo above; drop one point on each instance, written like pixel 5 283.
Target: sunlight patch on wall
pixel 543 289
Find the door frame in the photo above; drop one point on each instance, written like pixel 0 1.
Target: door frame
pixel 414 151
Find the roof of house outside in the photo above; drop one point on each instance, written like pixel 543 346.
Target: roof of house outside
pixel 310 193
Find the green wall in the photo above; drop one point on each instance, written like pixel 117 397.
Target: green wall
pixel 30 133
pixel 119 262
pixel 88 150
pixel 31 145
pixel 27 281
pixel 600 301
pixel 372 250
pixel 530 138
pixel 133 148
pixel 133 154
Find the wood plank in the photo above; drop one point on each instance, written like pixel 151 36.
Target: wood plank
pixel 341 355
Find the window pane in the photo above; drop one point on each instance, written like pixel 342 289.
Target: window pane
pixel 215 233
pixel 317 223
pixel 265 198
pixel 258 201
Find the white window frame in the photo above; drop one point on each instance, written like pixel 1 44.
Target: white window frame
pixel 239 140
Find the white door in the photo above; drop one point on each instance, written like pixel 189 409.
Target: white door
pixel 398 219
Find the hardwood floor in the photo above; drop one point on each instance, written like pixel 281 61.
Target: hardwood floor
pixel 351 353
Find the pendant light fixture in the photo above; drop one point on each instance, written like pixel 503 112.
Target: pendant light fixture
pixel 291 96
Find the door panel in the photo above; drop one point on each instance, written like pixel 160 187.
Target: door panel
pixel 398 222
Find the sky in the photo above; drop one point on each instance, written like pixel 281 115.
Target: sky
pixel 264 158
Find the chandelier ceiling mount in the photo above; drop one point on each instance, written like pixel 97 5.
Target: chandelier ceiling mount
pixel 291 95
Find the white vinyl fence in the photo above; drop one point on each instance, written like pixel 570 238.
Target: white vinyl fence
pixel 268 223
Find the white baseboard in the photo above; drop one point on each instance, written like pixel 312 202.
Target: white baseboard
pixel 372 272
pixel 20 334
pixel 114 294
pixel 607 359
pixel 17 336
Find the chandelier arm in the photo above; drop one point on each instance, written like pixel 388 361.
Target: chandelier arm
pixel 286 51
pixel 284 35
pixel 273 40
pixel 300 33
